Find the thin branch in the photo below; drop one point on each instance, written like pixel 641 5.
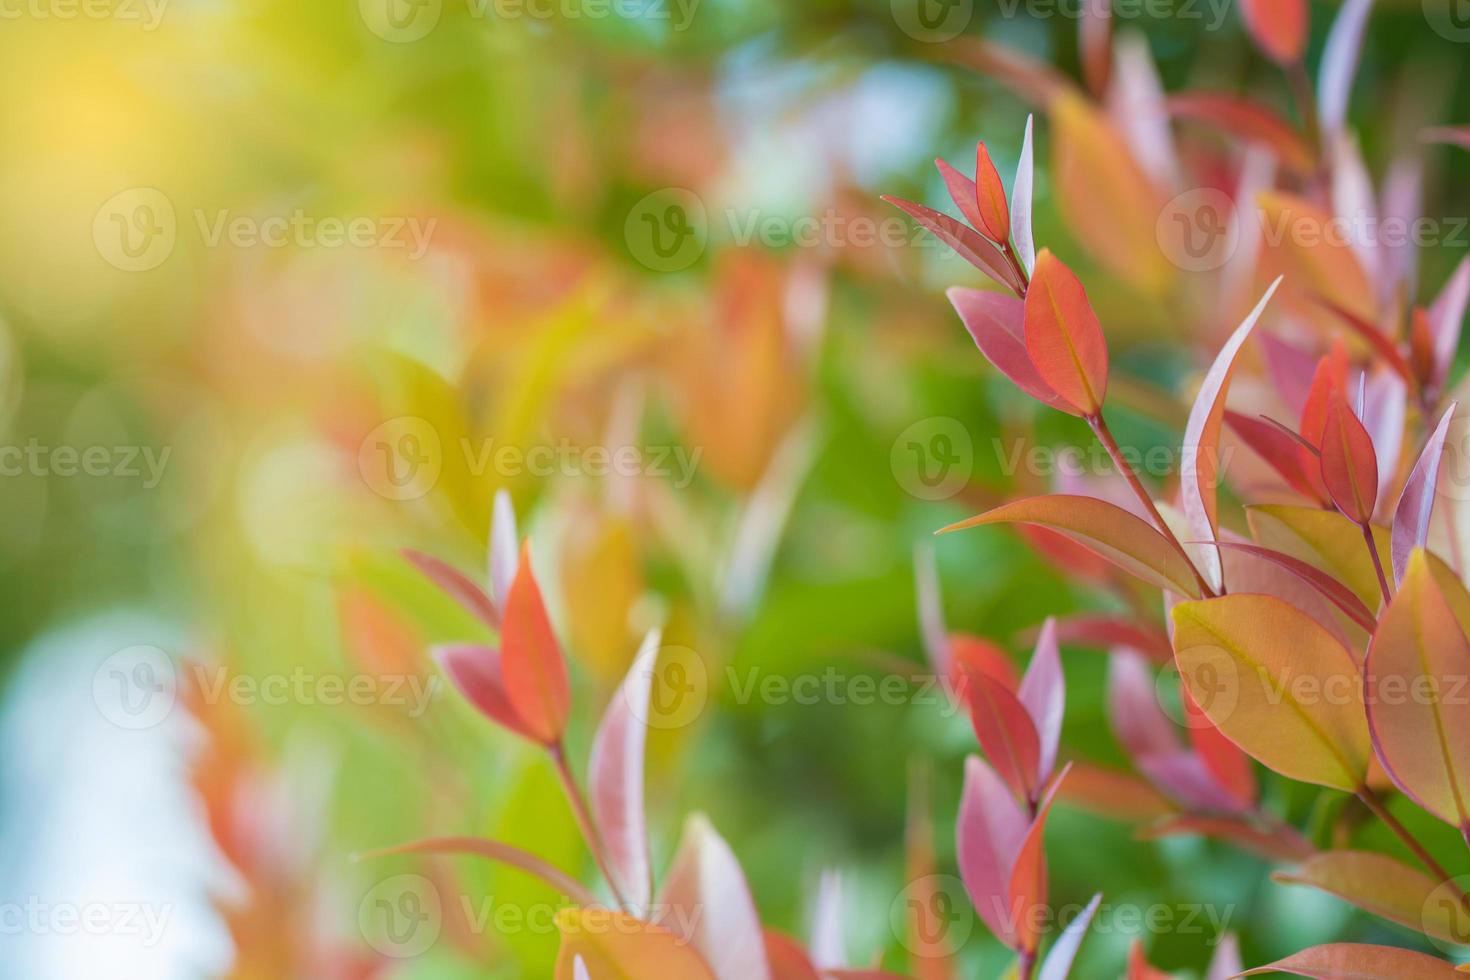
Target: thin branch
pixel 1105 436
pixel 1377 562
pixel 1379 810
pixel 584 820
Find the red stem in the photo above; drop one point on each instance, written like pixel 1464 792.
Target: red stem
pixel 1377 562
pixel 584 819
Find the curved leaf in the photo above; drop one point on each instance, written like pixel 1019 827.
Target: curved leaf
pixel 1316 263
pixel 1028 886
pixel 615 778
pixel 530 658
pixel 1325 539
pixel 1416 673
pixel 612 945
pixel 1043 693
pixel 1022 238
pixel 504 554
pixel 1277 684
pixel 1058 962
pixel 1279 27
pixel 1063 337
pixel 706 902
pixel 1200 473
pixel 1385 887
pixel 495 851
pixel 1359 961
pixel 475 672
pixel 1339 64
pixel 1416 502
pixel 1104 528
pixel 990 198
pixel 988 835
pixel 970 244
pixel 1006 733
pixel 1348 463
pixel 995 322
pixel 456 585
pixel 1247 121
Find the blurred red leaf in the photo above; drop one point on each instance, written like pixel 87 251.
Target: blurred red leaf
pixel 531 660
pixel 1063 337
pixel 1279 27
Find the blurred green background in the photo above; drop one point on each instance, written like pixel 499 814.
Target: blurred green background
pixel 295 270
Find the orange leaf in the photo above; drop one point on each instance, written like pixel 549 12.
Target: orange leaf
pixel 1386 887
pixel 613 945
pixel 1277 684
pixel 530 659
pixel 1028 875
pixel 1063 337
pixel 1359 961
pixel 1105 528
pixel 990 198
pixel 1315 254
pixel 788 961
pixel 1106 198
pixel 1248 121
pixel 1416 669
pixel 1349 464
pixel 1279 27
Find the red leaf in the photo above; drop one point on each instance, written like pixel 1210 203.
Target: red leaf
pixel 495 851
pixel 1359 961
pixel 1349 464
pixel 1103 632
pixel 1248 121
pixel 787 959
pixel 1333 590
pixel 1064 338
pixel 971 246
pixel 996 324
pixel 1028 889
pixel 1006 733
pixel 531 659
pixel 1279 28
pixel 962 192
pixel 1281 452
pixel 456 585
pixel 1043 693
pixel 972 654
pixel 475 671
pixel 990 198
pixel 1095 43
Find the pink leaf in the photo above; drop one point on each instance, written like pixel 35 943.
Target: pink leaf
pixel 962 192
pixel 931 611
pixel 1043 693
pixel 970 244
pixel 706 901
pixel 1139 724
pixel 504 548
pixel 1416 503
pixel 988 836
pixel 456 585
pixel 1226 961
pixel 829 919
pixel 475 672
pixel 1058 962
pixel 995 322
pixel 1446 318
pixel 1200 474
pixel 615 778
pixel 496 851
pixel 1006 732
pixel 1340 64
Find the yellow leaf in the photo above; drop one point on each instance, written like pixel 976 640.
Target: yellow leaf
pixel 615 946
pixel 1278 684
pixel 1325 539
